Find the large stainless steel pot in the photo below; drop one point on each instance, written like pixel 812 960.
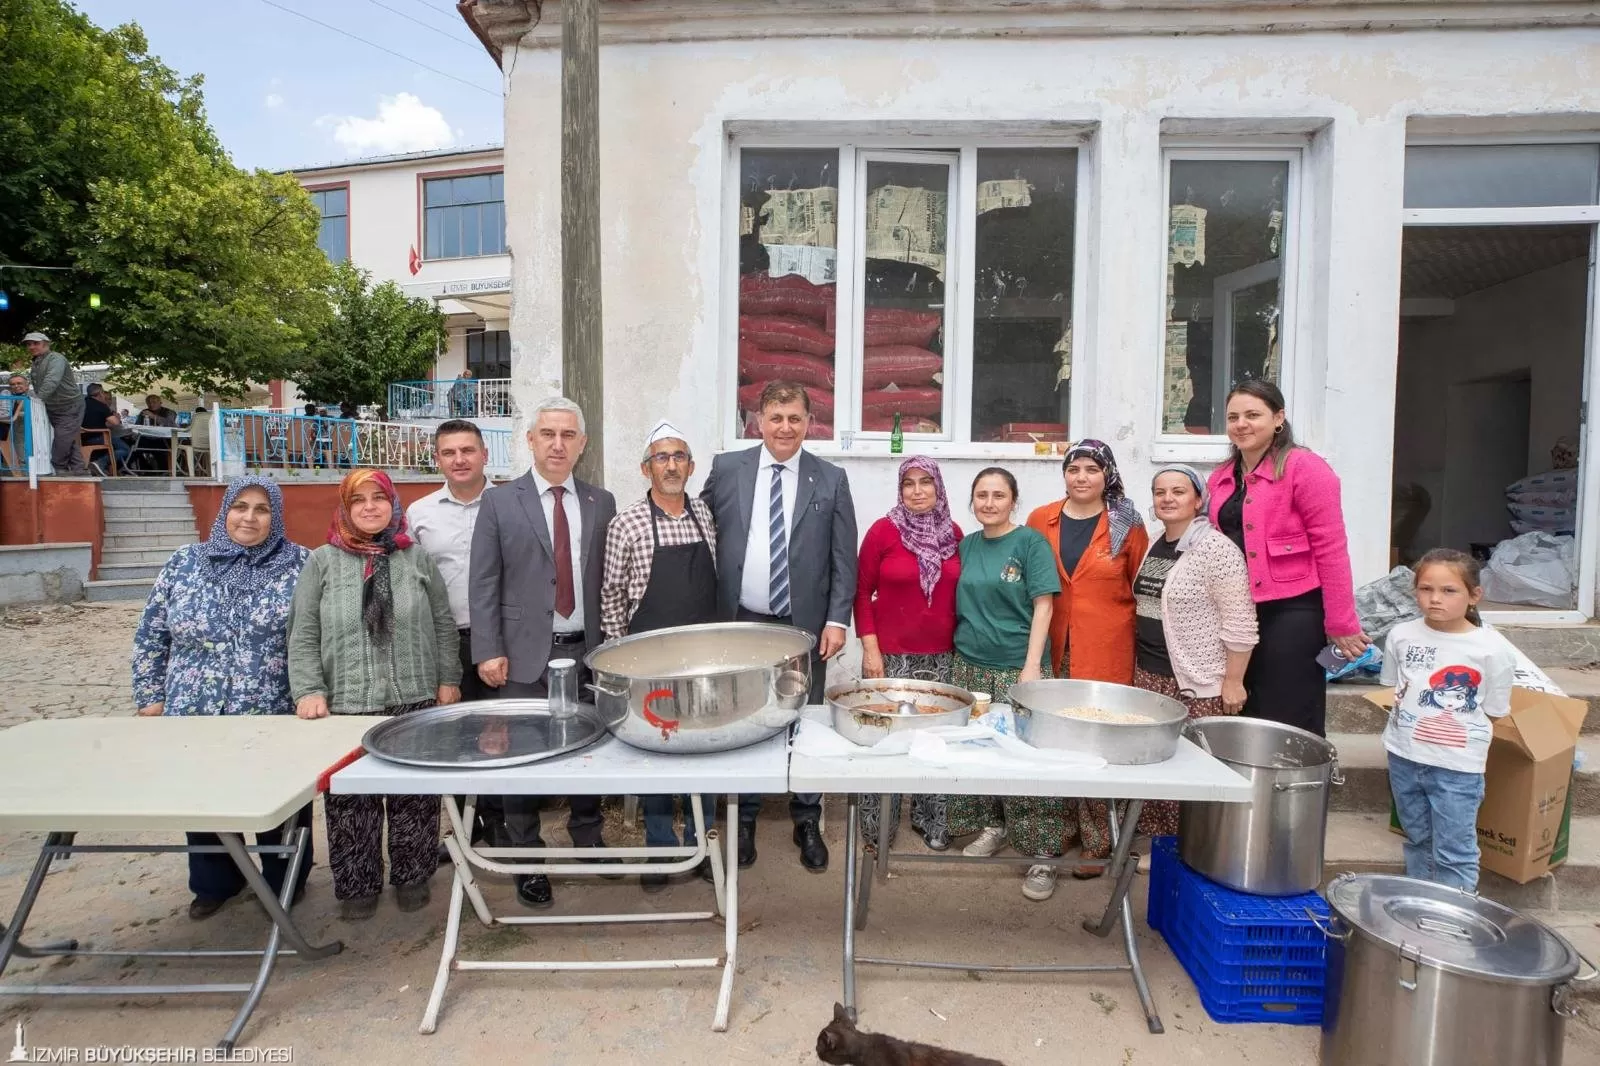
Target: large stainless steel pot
pixel 1423 975
pixel 951 706
pixel 702 688
pixel 1034 704
pixel 1271 846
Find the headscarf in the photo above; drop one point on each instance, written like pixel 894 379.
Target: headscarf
pixel 930 536
pixel 246 570
pixel 1189 472
pixel 377 600
pixel 1122 515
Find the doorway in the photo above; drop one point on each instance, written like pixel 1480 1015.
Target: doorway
pixel 1490 405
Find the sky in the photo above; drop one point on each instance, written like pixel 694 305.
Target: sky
pixel 282 92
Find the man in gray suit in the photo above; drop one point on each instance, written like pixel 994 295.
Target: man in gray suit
pixel 537 560
pixel 786 553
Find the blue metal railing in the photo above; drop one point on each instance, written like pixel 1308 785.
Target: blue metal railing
pixel 272 440
pixel 451 398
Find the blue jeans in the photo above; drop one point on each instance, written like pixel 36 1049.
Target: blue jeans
pixel 658 831
pixel 1438 809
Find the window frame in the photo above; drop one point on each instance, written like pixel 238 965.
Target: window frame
pixel 334 186
pixel 423 177
pixel 1294 339
pixel 937 143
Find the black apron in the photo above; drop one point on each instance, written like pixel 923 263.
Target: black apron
pixel 683 582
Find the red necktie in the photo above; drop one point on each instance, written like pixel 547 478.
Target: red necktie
pixel 562 534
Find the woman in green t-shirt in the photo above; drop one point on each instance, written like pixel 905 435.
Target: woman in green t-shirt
pixel 1003 603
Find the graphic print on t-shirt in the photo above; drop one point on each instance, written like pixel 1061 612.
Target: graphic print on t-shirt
pixel 1012 571
pixel 1453 689
pixel 1149 583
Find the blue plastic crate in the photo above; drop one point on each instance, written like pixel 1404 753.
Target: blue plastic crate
pixel 1252 958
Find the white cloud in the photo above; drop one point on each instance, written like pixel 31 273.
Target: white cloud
pixel 273 101
pixel 403 124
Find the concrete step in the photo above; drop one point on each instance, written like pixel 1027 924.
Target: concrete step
pixel 126 571
pixel 1366 775
pixel 169 541
pixel 178 524
pixel 120 485
pixel 1362 843
pixel 1349 710
pixel 124 589
pixel 154 504
pixel 149 555
pixel 1557 645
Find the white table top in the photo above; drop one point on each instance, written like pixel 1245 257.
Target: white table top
pixel 235 774
pixel 1190 774
pixel 606 767
pixel 160 431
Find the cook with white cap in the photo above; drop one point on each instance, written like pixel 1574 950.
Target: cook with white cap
pixel 660 571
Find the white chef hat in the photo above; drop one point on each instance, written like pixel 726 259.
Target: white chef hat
pixel 664 430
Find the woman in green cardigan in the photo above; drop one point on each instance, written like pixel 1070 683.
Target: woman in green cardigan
pixel 371 633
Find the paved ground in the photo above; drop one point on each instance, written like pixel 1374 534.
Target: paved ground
pixel 363 1006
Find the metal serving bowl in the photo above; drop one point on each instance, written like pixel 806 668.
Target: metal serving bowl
pixel 867 727
pixel 702 688
pixel 1123 743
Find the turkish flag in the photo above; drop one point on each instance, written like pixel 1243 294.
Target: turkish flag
pixel 416 260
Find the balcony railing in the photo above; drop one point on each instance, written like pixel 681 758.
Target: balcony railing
pixel 451 398
pixel 26 451
pixel 264 441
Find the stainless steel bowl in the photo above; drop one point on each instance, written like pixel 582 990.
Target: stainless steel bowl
pixel 702 688
pixel 868 727
pixel 1034 704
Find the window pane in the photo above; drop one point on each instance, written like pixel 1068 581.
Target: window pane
pixel 471 234
pixel 473 190
pixel 497 185
pixel 788 259
pixel 436 193
pixel 906 211
pixel 433 242
pixel 1226 236
pixel 331 238
pixel 494 239
pixel 1508 175
pixel 450 224
pixel 337 202
pixel 1022 316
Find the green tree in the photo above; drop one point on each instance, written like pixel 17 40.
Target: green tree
pixel 377 335
pixel 206 274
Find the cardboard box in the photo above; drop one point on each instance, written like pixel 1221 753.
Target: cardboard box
pixel 1526 816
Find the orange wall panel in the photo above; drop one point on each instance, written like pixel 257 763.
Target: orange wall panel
pixel 307 508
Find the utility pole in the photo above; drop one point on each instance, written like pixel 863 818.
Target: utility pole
pixel 582 347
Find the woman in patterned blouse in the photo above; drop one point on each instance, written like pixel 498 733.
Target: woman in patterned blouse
pixel 214 640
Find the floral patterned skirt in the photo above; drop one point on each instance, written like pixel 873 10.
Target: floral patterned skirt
pixel 1034 825
pixel 927 812
pixel 1157 817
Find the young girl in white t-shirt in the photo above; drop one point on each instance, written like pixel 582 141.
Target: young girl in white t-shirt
pixel 1450 677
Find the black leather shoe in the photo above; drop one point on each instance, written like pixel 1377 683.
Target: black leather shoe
pixel 612 861
pixel 203 907
pixel 533 890
pixel 653 883
pixel 747 846
pixel 813 852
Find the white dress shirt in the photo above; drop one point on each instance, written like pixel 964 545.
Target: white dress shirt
pixel 573 623
pixel 443 526
pixel 755 592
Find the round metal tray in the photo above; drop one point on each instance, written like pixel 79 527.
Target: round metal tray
pixel 446 738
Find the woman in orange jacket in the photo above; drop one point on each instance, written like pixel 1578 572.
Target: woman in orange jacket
pixel 1098 539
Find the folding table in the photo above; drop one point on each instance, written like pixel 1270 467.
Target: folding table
pixel 608 767
pixel 1191 774
pixel 225 775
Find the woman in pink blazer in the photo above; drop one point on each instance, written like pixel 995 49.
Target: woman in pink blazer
pixel 1280 503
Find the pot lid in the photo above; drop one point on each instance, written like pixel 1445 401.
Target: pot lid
pixel 1452 930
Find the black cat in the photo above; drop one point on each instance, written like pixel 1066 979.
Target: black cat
pixel 842 1044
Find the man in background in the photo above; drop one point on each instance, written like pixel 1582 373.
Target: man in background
pixel 100 412
pixel 56 385
pixel 156 413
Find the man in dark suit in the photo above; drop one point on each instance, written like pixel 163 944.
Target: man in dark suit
pixel 786 553
pixel 534 591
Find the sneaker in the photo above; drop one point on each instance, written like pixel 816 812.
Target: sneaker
pixel 1040 883
pixel 991 840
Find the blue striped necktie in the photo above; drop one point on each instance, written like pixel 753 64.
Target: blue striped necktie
pixel 778 542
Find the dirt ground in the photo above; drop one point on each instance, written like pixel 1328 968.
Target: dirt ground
pixel 364 1005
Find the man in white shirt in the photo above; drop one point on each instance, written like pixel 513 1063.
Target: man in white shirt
pixel 534 597
pixel 786 553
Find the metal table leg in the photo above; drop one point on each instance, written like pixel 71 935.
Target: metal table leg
pixel 730 918
pixel 301 839
pixel 275 909
pixel 11 935
pixel 1123 865
pixel 852 855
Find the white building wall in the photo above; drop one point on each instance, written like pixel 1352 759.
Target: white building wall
pixel 664 163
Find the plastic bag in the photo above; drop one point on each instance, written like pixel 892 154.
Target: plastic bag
pixel 1386 602
pixel 1539 569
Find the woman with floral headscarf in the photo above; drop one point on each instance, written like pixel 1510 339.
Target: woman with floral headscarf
pixel 371 633
pixel 213 640
pixel 1099 540
pixel 906 613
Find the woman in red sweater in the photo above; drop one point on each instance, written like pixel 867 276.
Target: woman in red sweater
pixel 906 613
